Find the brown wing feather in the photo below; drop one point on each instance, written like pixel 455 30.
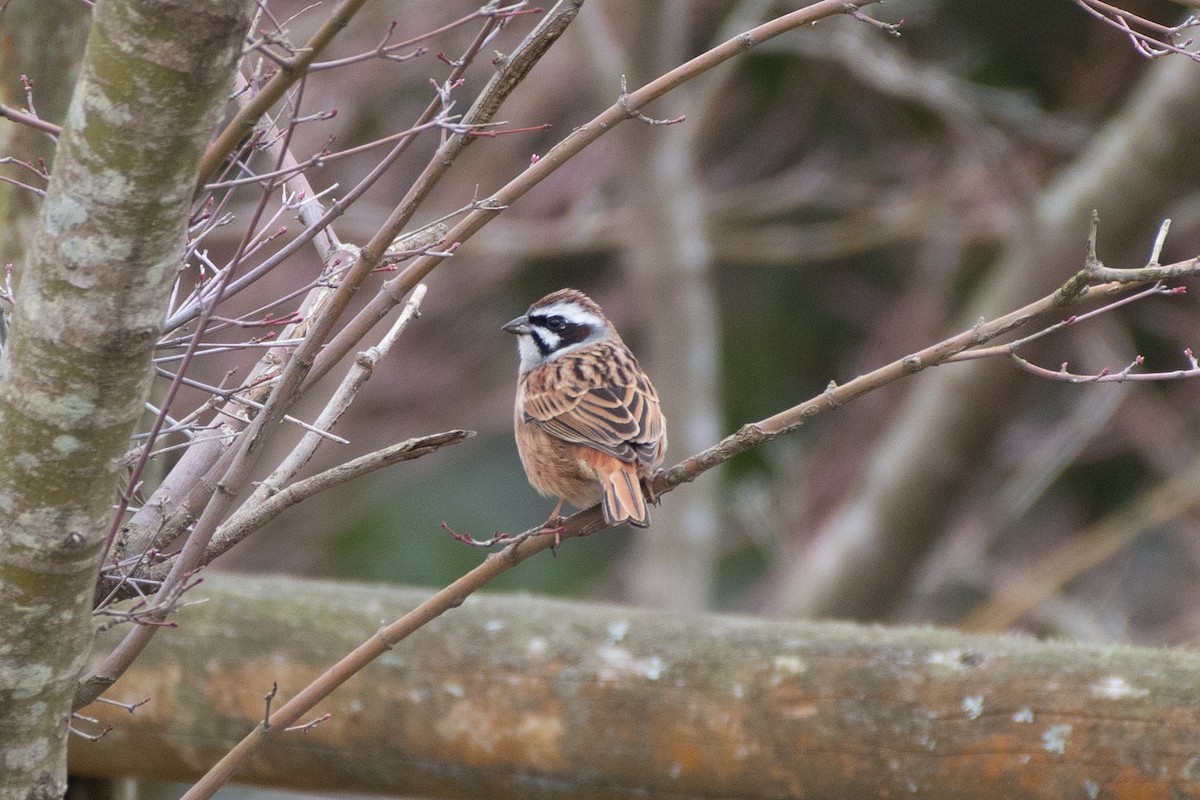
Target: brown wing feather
pixel 601 400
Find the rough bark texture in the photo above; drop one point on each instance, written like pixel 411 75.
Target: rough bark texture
pixel 519 697
pixel 76 369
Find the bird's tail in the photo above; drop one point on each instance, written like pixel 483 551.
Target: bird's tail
pixel 623 500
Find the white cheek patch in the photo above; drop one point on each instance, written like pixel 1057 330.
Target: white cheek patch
pixel 546 341
pixel 528 350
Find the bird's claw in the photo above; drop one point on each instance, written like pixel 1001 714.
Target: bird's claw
pixel 648 486
pixel 553 527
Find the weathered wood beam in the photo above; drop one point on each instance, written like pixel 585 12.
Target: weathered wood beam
pixel 513 696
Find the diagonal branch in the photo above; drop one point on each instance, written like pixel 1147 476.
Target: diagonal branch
pixel 1080 287
pixel 242 524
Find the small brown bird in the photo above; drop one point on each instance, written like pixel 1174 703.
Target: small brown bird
pixel 588 424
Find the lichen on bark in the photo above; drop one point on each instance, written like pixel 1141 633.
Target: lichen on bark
pixel 76 370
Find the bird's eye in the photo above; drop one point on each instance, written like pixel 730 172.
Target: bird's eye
pixel 556 323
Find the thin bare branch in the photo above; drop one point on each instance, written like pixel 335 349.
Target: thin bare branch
pixel 1149 38
pixel 242 525
pixel 22 118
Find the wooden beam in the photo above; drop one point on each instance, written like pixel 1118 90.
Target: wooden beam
pixel 512 696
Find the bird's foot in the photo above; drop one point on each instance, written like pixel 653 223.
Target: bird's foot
pixel 648 486
pixel 553 526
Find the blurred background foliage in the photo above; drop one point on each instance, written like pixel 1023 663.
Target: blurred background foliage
pixel 855 194
pixel 836 198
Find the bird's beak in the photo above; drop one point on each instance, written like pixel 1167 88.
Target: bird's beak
pixel 518 326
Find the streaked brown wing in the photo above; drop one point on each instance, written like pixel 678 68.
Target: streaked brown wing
pixel 595 409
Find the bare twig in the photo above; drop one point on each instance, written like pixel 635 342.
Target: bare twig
pixel 890 28
pixel 91 737
pixel 1096 272
pixel 241 525
pixel 237 399
pixel 308 726
pixel 21 118
pixel 1125 374
pixel 387 51
pixel 130 707
pixel 340 400
pixel 342 397
pixel 1012 347
pixel 1149 38
pixel 466 538
pixel 245 120
pixel 623 102
pixel 253 517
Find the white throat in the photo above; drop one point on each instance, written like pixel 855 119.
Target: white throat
pixel 530 355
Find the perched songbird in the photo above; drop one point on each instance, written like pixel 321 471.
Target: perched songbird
pixel 588 423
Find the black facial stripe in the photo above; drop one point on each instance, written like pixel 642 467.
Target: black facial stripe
pixel 545 346
pixel 550 340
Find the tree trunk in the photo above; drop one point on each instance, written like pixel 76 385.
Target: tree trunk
pixel 76 369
